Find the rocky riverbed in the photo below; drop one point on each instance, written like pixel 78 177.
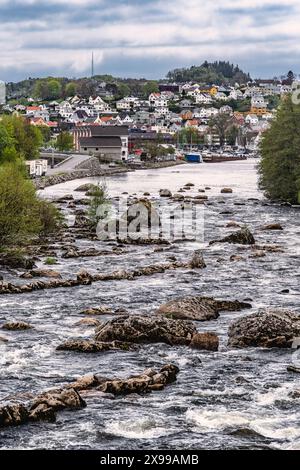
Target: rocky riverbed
pixel 180 344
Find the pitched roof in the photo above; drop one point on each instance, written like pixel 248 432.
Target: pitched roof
pixel 109 131
pixel 100 142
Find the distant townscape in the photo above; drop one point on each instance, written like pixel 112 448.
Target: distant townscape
pixel 212 105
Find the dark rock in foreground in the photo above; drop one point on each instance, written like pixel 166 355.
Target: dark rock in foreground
pixel 268 329
pixel 199 308
pixel 145 329
pixel 242 237
pixel 47 404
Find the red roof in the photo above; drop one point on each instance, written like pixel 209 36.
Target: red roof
pixel 33 108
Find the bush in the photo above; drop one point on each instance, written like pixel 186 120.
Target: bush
pixel 22 213
pixel 50 261
pixel 98 204
pixel 18 205
pixel 50 218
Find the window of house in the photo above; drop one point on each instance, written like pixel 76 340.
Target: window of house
pixel 85 149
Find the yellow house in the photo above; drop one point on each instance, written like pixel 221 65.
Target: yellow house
pixel 211 91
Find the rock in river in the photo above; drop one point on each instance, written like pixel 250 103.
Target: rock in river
pixel 98 311
pixel 16 326
pixel 87 346
pixel 205 341
pixel 149 381
pixel 273 226
pixel 226 191
pixel 242 237
pixel 45 405
pixel 165 193
pixel 146 329
pixel 268 329
pixel 198 308
pixel 49 273
pixel 13 415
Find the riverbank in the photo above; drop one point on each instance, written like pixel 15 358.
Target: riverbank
pixel 96 170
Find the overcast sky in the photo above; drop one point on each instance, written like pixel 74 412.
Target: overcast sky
pixel 146 38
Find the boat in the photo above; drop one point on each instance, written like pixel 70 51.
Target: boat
pixel 193 157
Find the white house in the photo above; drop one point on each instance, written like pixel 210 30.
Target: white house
pixel 157 101
pixel 123 105
pixel 65 109
pixel 203 98
pixel 38 112
pixel 252 119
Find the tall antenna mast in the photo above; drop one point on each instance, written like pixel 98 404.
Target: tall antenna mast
pixel 93 64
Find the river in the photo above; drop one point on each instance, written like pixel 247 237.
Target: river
pixel 230 399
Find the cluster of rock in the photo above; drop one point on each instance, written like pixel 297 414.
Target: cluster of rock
pixel 45 406
pixel 85 278
pixel 74 252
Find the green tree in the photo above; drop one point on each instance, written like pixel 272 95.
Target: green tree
pixel 189 136
pixel 64 142
pixel 18 205
pixel 19 138
pixel 279 168
pixel 41 90
pixel 46 133
pixel 71 89
pixel 55 89
pixel 123 90
pixel 221 125
pixel 150 87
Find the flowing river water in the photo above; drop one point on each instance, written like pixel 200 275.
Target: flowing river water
pixel 230 399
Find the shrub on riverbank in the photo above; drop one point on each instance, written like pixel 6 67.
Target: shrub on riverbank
pixel 98 204
pixel 22 213
pixel 280 149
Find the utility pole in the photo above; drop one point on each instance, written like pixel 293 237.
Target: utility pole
pixel 92 64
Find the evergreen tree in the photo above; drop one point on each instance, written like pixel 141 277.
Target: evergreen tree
pixel 280 149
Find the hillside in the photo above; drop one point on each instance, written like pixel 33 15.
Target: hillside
pixel 53 88
pixel 217 73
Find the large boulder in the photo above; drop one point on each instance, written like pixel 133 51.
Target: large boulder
pixel 242 237
pixel 268 329
pixel 145 329
pixel 198 308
